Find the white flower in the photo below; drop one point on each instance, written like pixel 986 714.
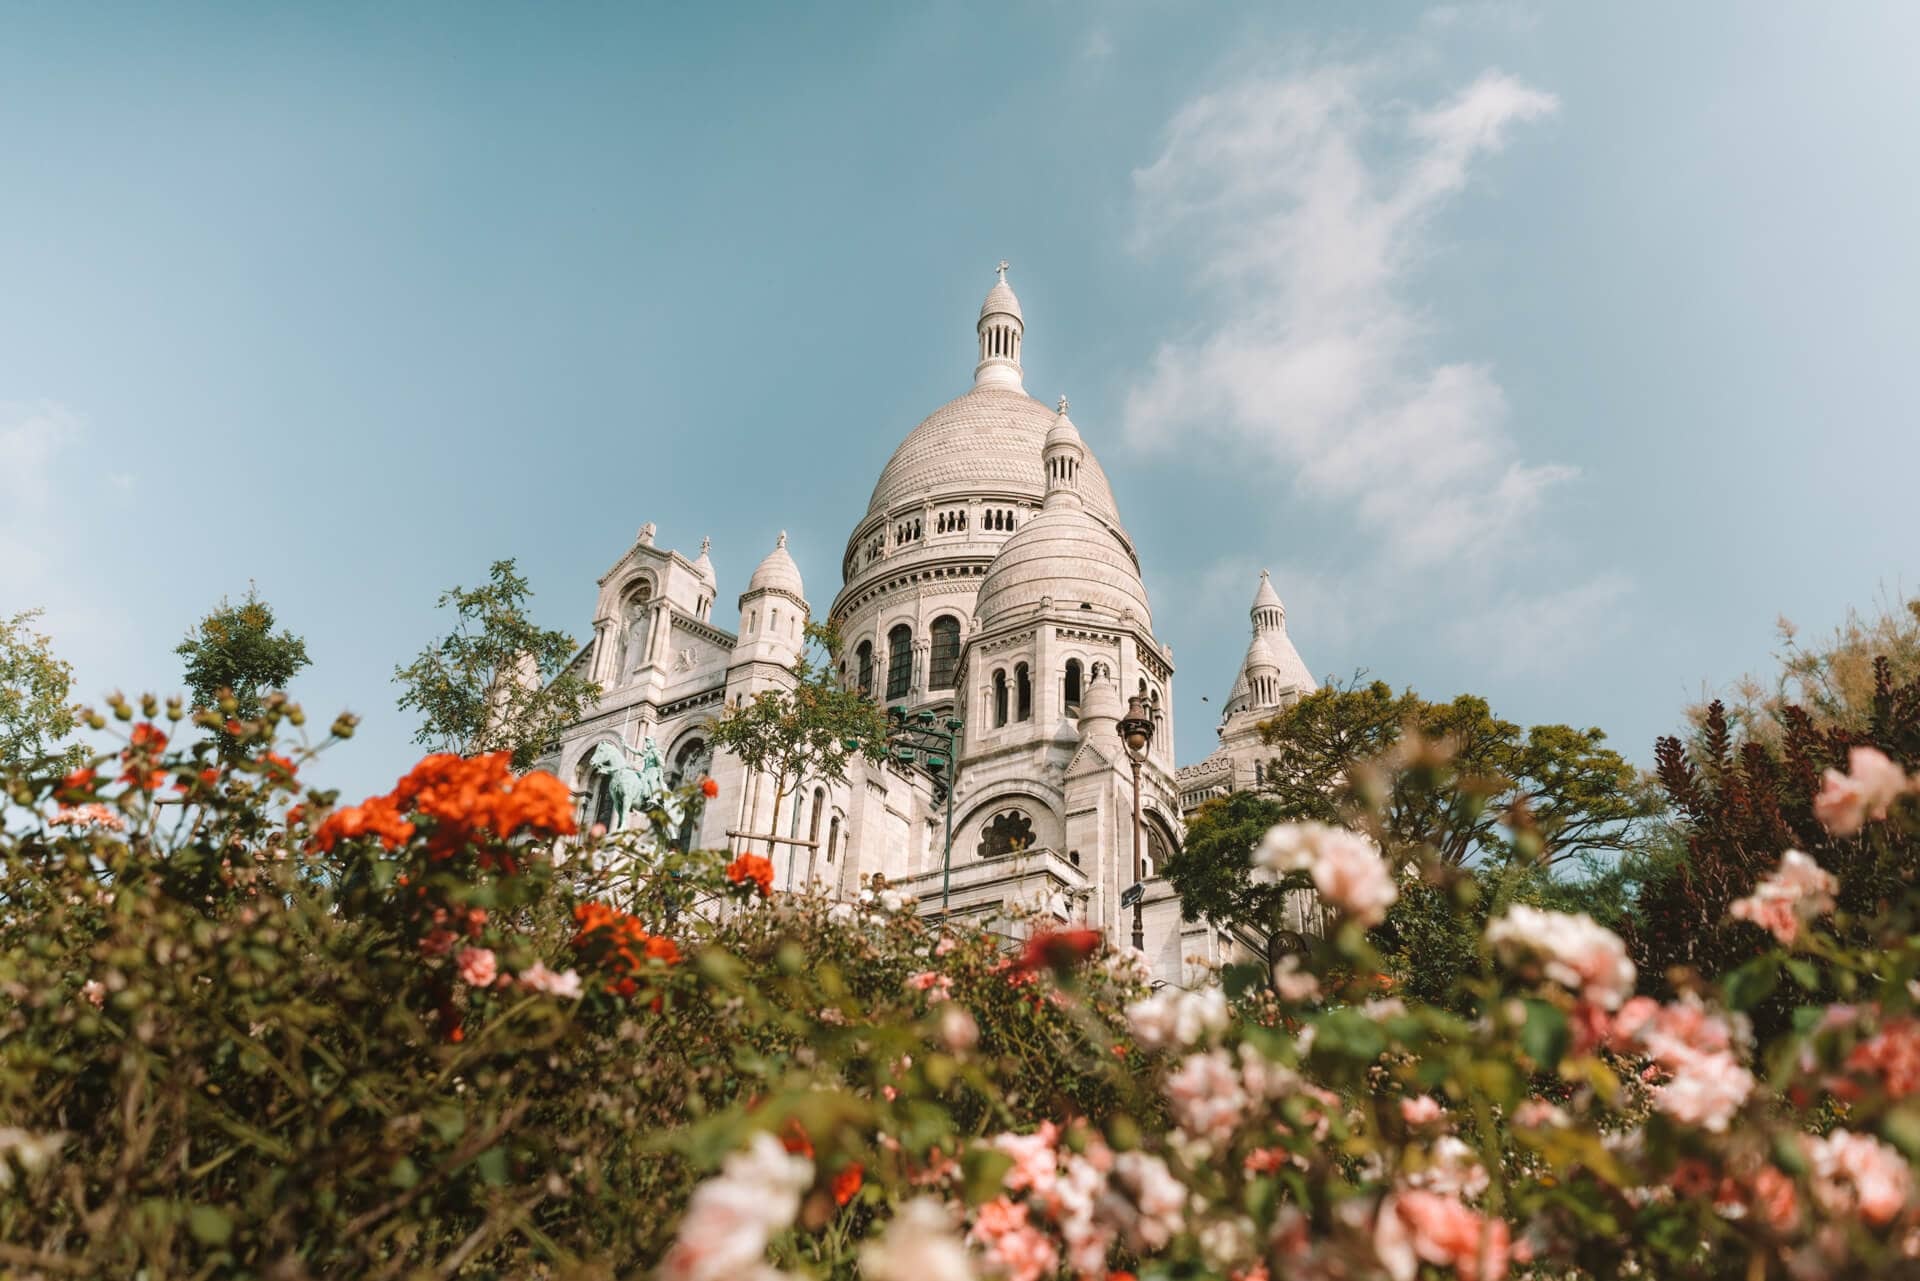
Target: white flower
pixel 1293 981
pixel 1176 1018
pixel 1452 1169
pixel 1576 952
pixel 1151 1214
pixel 919 1245
pixel 541 979
pixel 724 1233
pixel 1346 867
pixel 1206 1096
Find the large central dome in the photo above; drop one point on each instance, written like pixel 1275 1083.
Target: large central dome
pixel 988 440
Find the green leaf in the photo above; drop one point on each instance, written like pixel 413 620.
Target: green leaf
pixel 981 1171
pixel 492 1165
pixel 209 1224
pixel 1240 979
pixel 1753 982
pixel 404 1173
pixel 1804 974
pixel 448 1121
pixel 1544 1036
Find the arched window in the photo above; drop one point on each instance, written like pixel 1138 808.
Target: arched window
pixel 1158 850
pixel 833 836
pixel 1010 832
pixel 864 653
pixel 1023 693
pixel 946 652
pixel 1073 684
pixel 899 661
pixel 999 699
pixel 813 828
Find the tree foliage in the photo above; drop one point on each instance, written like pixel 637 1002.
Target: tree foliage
pixel 1740 799
pixel 233 658
pixel 35 688
pixel 807 730
pixel 1450 778
pixel 498 681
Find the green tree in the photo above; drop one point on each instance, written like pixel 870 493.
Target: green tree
pixel 808 731
pixel 35 711
pixel 234 652
pixel 1450 777
pixel 498 681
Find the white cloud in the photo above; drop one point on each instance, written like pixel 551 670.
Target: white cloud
pixel 1305 206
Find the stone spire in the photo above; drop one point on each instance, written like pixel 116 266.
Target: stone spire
pixel 1001 331
pixel 1064 455
pixel 1268 614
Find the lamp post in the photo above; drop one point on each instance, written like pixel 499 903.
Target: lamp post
pixel 1136 732
pixel 922 737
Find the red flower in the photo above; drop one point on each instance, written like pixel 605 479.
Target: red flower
pixel 751 867
pixel 1058 950
pixel 846 1184
pixel 376 816
pixel 794 1139
pixel 280 766
pixel 709 788
pixel 147 738
pixel 76 786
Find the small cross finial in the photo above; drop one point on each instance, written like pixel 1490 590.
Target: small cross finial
pixel 782 542
pixel 704 544
pixel 1063 406
pixel 1002 269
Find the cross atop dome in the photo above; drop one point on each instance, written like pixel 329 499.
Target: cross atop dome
pixel 1063 406
pixel 1002 269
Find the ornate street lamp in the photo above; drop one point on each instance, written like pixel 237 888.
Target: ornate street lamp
pixel 1136 732
pixel 923 739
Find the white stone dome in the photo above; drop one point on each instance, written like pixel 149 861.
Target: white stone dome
pixel 1063 554
pixel 778 573
pixel 987 441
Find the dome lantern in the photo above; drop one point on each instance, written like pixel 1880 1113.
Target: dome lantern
pixel 1063 456
pixel 1001 330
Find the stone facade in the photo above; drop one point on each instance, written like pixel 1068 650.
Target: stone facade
pixel 990 581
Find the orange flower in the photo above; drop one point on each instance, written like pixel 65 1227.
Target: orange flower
pixel 143 745
pixel 376 816
pixel 281 766
pixel 794 1138
pixel 709 788
pixel 751 867
pixel 147 738
pixel 470 802
pixel 846 1184
pixel 617 944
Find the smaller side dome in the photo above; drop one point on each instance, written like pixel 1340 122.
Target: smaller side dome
pixel 778 573
pixel 703 564
pixel 1101 703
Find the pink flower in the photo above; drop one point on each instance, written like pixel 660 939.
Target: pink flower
pixel 1799 891
pixel 1415 1227
pixel 1695 1047
pixel 477 965
pixel 1422 1109
pixel 1034 1159
pixel 1576 952
pixel 93 814
pixel 1345 866
pixel 541 979
pixel 1206 1098
pixel 937 986
pixel 95 991
pixel 1022 1250
pixel 1858 1173
pixel 958 1032
pixel 1847 801
pixel 436 944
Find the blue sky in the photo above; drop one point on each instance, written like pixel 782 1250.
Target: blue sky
pixel 1546 353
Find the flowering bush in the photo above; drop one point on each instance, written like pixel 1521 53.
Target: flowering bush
pixel 249 1031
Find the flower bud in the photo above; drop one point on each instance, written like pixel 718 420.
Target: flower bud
pixel 149 706
pixel 343 725
pixel 957 1029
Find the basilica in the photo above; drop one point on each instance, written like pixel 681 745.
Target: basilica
pixel 992 585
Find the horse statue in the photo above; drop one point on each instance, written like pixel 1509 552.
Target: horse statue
pixel 630 788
